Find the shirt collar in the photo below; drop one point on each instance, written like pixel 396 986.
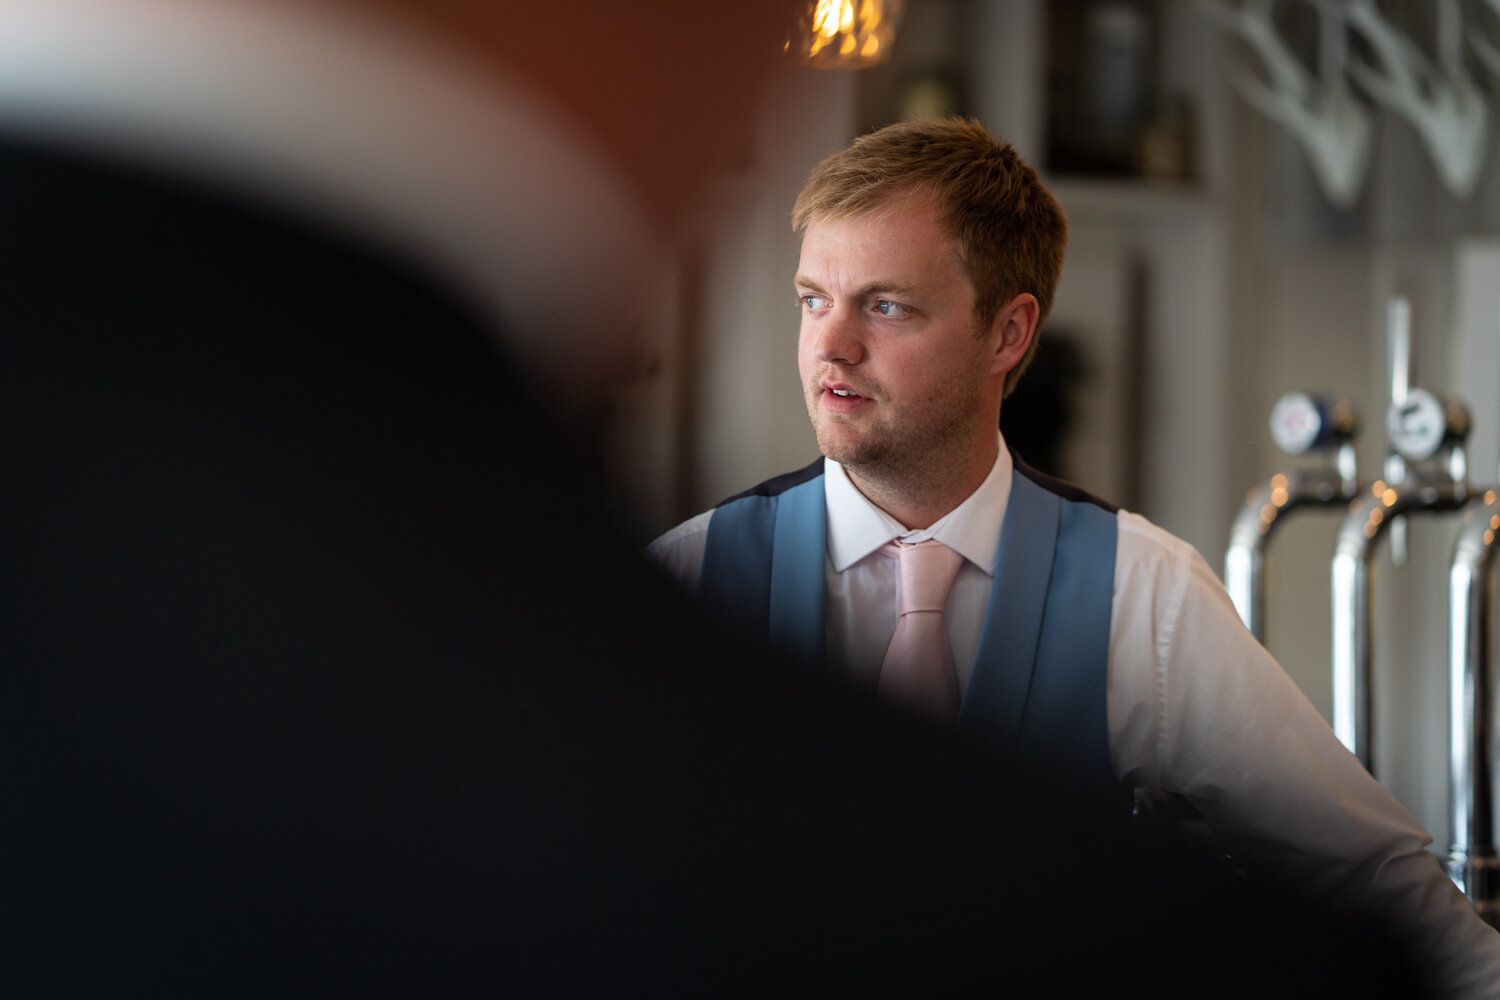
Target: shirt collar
pixel 856 527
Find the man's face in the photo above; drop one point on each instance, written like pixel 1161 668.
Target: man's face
pixel 896 378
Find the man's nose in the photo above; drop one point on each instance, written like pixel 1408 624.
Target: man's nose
pixel 838 337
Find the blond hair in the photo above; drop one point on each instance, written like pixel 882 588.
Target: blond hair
pixel 1011 232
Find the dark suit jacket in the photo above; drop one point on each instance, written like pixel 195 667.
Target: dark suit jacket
pixel 323 671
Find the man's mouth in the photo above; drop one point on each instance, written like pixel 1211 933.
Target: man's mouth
pixel 839 388
pixel 840 398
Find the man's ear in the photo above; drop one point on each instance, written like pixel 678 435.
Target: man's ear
pixel 1016 325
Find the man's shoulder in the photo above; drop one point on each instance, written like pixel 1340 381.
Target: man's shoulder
pixel 1060 487
pixel 1149 552
pixel 779 484
pixel 684 533
pixel 1140 539
pixel 1144 550
pixel 1149 537
pixel 679 552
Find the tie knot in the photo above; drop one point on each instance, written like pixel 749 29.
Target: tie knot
pixel 927 571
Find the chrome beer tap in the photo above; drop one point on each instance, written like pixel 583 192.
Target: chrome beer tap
pixel 1472 862
pixel 1426 472
pixel 1302 423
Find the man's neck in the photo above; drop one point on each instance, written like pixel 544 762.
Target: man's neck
pixel 918 500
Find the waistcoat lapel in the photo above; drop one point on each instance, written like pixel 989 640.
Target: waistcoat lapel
pixel 996 697
pixel 797 579
pixel 763 566
pixel 1039 688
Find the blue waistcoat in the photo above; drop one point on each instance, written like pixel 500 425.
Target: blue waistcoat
pixel 1037 688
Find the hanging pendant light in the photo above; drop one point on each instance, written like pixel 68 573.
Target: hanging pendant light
pixel 844 34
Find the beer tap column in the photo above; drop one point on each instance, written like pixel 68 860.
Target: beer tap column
pixel 1302 423
pixel 1472 862
pixel 1428 434
pixel 1427 472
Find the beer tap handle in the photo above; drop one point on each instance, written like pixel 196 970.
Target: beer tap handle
pixel 1398 340
pixel 1398 335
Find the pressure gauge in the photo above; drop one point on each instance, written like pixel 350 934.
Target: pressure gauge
pixel 1302 421
pixel 1418 427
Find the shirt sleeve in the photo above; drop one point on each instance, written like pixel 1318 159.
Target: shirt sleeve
pixel 1197 706
pixel 679 552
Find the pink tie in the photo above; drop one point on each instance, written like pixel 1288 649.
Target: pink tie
pixel 918 667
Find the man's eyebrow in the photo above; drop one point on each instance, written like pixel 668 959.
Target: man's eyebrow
pixel 873 288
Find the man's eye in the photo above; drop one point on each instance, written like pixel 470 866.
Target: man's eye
pixel 888 308
pixel 814 301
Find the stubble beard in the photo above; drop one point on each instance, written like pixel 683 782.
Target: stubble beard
pixel 849 447
pixel 837 436
pixel 879 454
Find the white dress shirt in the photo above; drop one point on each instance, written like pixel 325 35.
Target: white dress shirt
pixel 1195 706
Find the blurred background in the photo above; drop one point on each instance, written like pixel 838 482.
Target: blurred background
pixel 1227 247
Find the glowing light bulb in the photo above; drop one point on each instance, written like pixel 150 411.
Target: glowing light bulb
pixel 844 34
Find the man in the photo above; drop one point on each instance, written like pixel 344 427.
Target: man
pixel 1080 635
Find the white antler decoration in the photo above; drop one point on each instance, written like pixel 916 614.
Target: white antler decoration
pixel 1439 99
pixel 1332 126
